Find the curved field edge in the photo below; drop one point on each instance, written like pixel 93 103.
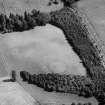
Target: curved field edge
pixel 95 39
pixel 79 39
pixel 77 35
pixel 68 20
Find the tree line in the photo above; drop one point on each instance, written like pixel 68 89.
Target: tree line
pixel 77 35
pixel 16 22
pixel 79 103
pixel 50 82
pixel 69 2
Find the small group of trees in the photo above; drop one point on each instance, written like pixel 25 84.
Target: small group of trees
pixel 69 2
pixel 89 103
pixel 60 83
pixel 56 2
pixel 26 76
pixel 16 22
pixel 13 77
pixel 77 35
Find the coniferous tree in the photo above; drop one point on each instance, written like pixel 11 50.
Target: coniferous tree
pixel 34 13
pixel 12 20
pixel 9 25
pixel 69 2
pixel 89 103
pixel 43 19
pixel 13 75
pixel 73 103
pixel 18 23
pixel 31 22
pixel 3 23
pixel 79 103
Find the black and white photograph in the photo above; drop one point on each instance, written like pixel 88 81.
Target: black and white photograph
pixel 52 52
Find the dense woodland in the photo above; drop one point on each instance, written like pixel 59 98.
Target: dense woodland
pixel 76 35
pixel 81 103
pixel 93 84
pixel 74 84
pixel 15 22
pixel 69 2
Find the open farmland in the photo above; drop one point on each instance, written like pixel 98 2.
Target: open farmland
pixel 41 49
pixel 94 12
pixel 91 60
pixel 14 94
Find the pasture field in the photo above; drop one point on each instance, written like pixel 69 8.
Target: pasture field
pixel 11 93
pixel 41 50
pixel 31 52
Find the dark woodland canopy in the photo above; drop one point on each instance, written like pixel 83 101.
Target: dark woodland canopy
pixel 76 34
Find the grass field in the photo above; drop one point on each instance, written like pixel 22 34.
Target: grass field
pixel 41 50
pixel 15 56
pixel 7 6
pixel 14 94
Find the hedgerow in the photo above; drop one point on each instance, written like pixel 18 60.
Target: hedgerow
pixel 76 35
pixel 74 84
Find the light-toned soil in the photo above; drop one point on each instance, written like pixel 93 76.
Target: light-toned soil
pixel 14 94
